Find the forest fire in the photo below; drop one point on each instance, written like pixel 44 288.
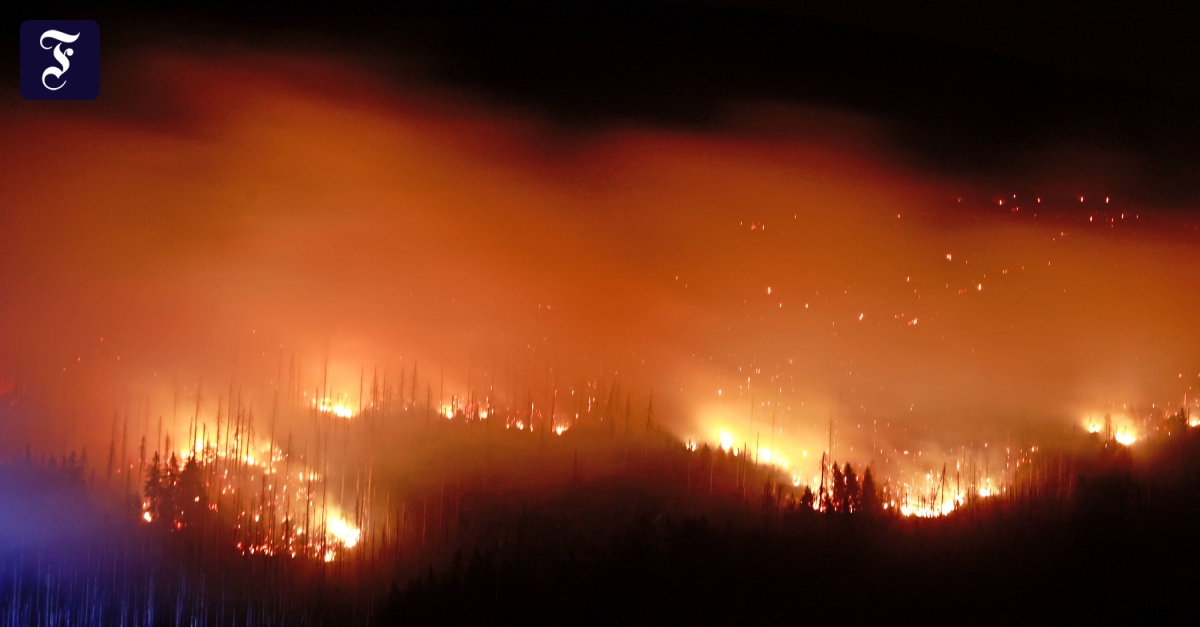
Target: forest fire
pixel 478 318
pixel 348 536
pixel 333 408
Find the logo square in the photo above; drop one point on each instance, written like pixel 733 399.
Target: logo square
pixel 60 60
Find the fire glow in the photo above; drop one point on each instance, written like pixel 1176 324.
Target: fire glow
pixel 344 533
pixel 338 409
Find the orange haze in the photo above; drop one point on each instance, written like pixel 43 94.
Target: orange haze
pixel 225 217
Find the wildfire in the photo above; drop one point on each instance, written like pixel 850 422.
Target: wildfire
pixel 327 406
pixel 343 532
pixel 290 493
pixel 1125 437
pixel 929 510
pixel 1124 434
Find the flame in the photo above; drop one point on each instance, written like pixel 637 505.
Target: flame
pixel 337 409
pixel 343 532
pixel 266 457
pixel 930 510
pixel 1126 437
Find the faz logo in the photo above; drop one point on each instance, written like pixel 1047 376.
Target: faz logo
pixel 60 60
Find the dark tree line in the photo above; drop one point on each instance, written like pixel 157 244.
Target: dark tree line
pixel 845 494
pixel 68 470
pixel 175 496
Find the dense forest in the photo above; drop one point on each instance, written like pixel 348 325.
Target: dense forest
pixel 668 534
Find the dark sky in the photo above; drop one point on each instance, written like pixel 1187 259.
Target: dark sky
pixel 991 92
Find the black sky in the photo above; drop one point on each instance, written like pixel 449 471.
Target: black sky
pixel 1005 94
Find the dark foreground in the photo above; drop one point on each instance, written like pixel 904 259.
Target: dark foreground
pixel 1120 547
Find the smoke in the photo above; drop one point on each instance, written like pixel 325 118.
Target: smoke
pixel 297 223
pixel 40 509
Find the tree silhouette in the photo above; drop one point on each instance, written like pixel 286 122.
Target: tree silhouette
pixel 851 495
pixel 869 503
pixel 837 492
pixel 192 492
pixel 806 500
pixel 153 491
pixel 169 497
